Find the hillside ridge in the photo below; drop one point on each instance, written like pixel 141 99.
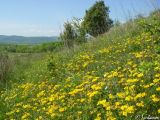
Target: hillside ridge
pixel 13 39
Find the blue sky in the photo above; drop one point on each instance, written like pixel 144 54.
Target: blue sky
pixel 46 17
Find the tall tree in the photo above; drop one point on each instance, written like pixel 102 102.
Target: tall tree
pixel 96 20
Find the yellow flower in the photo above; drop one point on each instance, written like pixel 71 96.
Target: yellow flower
pixel 146 86
pixel 96 87
pixel 98 117
pixel 75 91
pixel 127 109
pixel 105 104
pixel 157 75
pixel 91 94
pixel 121 95
pixel 82 100
pixel 151 84
pixel 40 94
pixel 139 55
pixel 102 102
pixel 85 64
pixel 39 118
pixel 17 110
pixel 140 95
pixel 106 74
pixel 158 89
pixel 124 113
pixel 25 115
pixel 111 96
pixel 52 108
pixel 61 109
pixel 158 110
pixel 114 74
pixel 18 104
pixel 95 79
pixel 156 80
pixel 117 104
pixel 132 80
pixel 79 112
pixel 51 98
pixel 129 62
pixel 141 104
pixel 10 113
pixel 27 106
pixel 154 98
pixel 140 75
pixel 128 98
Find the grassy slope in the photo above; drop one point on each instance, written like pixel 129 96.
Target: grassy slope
pixel 18 63
pixel 114 76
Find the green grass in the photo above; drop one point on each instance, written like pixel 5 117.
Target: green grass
pixel 19 63
pixel 38 48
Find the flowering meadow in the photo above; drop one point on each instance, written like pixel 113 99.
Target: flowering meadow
pixel 113 77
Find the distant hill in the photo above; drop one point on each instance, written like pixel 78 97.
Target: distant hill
pixel 25 40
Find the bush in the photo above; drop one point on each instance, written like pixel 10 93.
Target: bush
pixel 68 36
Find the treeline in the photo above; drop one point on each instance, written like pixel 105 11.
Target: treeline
pixel 45 47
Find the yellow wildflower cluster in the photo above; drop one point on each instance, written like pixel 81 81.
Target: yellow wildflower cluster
pixel 111 82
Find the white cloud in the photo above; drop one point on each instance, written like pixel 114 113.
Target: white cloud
pixel 28 30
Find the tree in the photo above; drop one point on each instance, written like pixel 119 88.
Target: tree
pixel 80 32
pixel 96 20
pixel 68 36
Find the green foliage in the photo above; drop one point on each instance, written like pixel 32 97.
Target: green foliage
pixel 151 26
pixel 48 47
pixel 80 31
pixel 45 47
pixel 73 33
pixel 96 20
pixel 68 36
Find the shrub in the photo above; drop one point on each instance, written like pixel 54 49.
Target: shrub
pixel 68 36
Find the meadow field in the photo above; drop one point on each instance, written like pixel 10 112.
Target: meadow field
pixel 115 76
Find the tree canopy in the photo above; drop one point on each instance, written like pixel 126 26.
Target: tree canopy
pixel 96 20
